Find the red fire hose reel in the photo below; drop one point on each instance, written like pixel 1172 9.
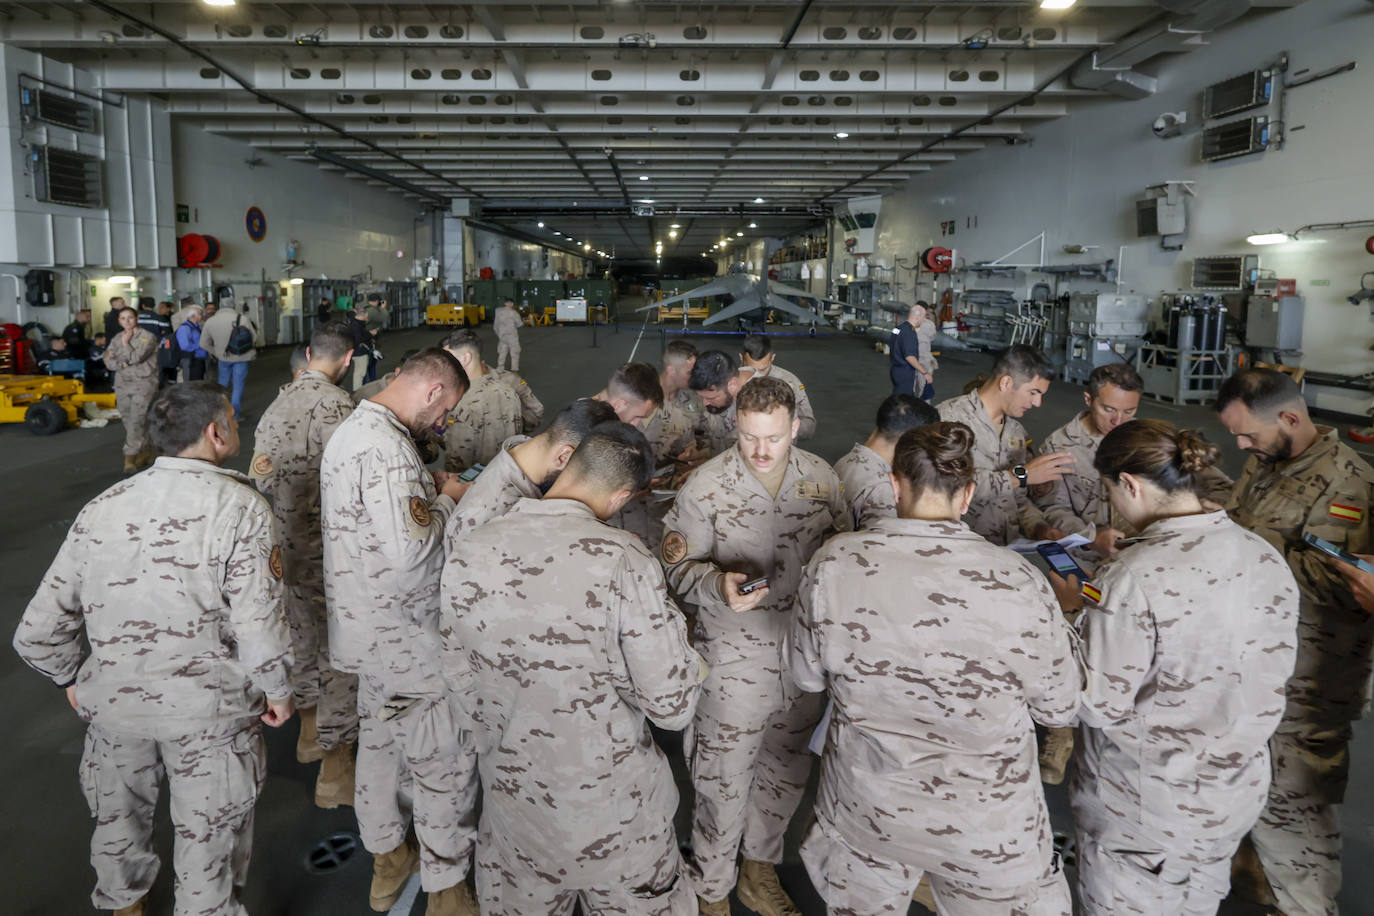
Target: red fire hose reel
pixel 937 260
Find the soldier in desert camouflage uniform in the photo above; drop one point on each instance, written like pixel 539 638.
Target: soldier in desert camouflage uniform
pixel 525 468
pixel 759 509
pixel 561 665
pixel 938 650
pixel 383 515
pixel 1301 479
pixel 634 392
pixel 1189 637
pixel 131 356
pixel 288 444
pixel 866 469
pixel 531 408
pixel 162 618
pixel 506 322
pixel 1002 509
pixel 756 352
pixel 716 380
pixel 488 415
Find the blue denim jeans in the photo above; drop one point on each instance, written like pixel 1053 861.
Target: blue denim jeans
pixel 232 376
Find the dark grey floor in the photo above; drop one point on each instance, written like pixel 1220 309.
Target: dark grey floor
pixel 45 867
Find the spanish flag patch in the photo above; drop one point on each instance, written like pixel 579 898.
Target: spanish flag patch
pixel 1092 592
pixel 1347 513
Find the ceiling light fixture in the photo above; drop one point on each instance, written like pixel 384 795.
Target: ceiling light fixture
pixel 1056 4
pixel 122 279
pixel 672 233
pixel 675 226
pixel 753 225
pixel 840 134
pixel 643 177
pixel 740 234
pixel 220 2
pixel 586 247
pixel 1269 238
pixel 541 225
pixel 758 200
pixel 297 281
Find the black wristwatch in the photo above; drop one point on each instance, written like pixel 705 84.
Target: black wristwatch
pixel 1019 472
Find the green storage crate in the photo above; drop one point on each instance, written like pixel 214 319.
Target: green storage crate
pixel 594 291
pixel 541 294
pixel 504 289
pixel 484 294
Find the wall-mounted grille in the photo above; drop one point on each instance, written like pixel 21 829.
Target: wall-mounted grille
pixel 1239 93
pixel 60 110
pixel 1235 138
pixel 1229 272
pixel 63 177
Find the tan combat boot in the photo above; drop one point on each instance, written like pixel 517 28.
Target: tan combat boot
pixel 133 909
pixel 718 908
pixel 1055 754
pixel 130 464
pixel 758 889
pixel 334 785
pixel 924 895
pixel 308 748
pixel 390 872
pixel 452 901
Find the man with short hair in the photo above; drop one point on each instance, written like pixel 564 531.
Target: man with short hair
pixel 112 328
pixel 525 468
pixel 1001 509
pixel 489 413
pixel 161 617
pixel 866 471
pixel 912 361
pixel 152 319
pixel 1302 479
pixel 580 801
pixel 755 511
pixel 716 380
pixel 77 334
pixel 506 322
pixel 757 353
pixel 231 338
pixel 633 391
pixel 382 519
pixel 288 446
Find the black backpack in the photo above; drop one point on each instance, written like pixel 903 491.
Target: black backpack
pixel 240 338
pixel 169 352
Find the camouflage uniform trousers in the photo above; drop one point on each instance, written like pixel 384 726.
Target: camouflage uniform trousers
pixel 213 777
pixel 413 760
pixel 1121 873
pixel 508 346
pixel 133 402
pixel 1298 835
pixel 314 682
pixel 655 883
pixel 854 883
pixel 749 762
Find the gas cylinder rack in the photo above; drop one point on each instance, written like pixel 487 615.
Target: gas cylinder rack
pixel 1195 359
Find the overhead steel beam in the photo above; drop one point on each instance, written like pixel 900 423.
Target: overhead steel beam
pixel 379 175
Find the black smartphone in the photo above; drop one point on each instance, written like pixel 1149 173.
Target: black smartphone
pixel 1061 562
pixel 1332 550
pixel 471 473
pixel 664 471
pixel 753 585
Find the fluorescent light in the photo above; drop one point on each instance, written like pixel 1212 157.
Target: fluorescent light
pixel 556 232
pixel 1056 4
pixel 586 247
pixel 541 225
pixel 220 2
pixel 758 200
pixel 675 226
pixel 740 234
pixel 1268 238
pixel 122 279
pixel 643 177
pixel 840 134
pixel 644 200
pixel 295 281
pixel 672 233
pixel 429 279
pixel 753 225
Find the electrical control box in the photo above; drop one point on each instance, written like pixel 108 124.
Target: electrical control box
pixel 1274 322
pixel 1109 315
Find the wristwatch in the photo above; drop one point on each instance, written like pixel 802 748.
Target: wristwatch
pixel 1019 472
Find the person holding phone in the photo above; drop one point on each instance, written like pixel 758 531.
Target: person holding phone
pixel 1188 637
pixel 1302 479
pixel 936 675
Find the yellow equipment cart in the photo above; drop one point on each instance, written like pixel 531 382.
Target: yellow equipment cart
pixel 46 403
pixel 462 314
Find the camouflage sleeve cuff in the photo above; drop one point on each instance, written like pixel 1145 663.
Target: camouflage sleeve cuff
pixel 63 685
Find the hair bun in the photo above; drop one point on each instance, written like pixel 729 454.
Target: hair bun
pixel 1195 453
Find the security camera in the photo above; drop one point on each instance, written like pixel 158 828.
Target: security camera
pixel 1169 124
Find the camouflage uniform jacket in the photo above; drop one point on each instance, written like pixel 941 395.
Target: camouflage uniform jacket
pixel 671 428
pixel 805 413
pixel 172 579
pixel 560 661
pixel 1325 491
pixel 428 443
pixel 1078 502
pixel 134 363
pixel 938 650
pixel 724 520
pixel 488 415
pixel 287 447
pixel 373 387
pixel 1187 653
pixel 531 408
pixel 495 491
pixel 716 432
pixel 1001 510
pixel 506 322
pixel 383 553
pixel 867 486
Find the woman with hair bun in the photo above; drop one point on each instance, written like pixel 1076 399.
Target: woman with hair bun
pixel 1189 636
pixel 939 650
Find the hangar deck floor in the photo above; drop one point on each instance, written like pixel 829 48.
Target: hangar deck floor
pixel 45 869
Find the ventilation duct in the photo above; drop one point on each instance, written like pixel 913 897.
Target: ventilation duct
pixel 1111 68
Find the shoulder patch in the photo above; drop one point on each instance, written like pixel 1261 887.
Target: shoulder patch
pixel 1092 593
pixel 674 548
pixel 1347 513
pixel 261 466
pixel 274 563
pixel 419 512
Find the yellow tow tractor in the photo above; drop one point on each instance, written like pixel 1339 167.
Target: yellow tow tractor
pixel 460 314
pixel 46 404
